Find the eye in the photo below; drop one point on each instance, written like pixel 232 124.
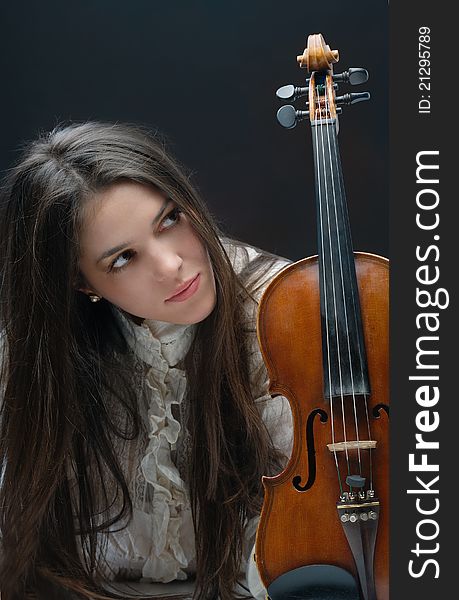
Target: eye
pixel 174 216
pixel 121 261
pixel 116 265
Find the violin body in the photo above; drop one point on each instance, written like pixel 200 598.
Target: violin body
pixel 323 327
pixel 302 527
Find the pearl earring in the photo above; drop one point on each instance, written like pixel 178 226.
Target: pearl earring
pixel 94 298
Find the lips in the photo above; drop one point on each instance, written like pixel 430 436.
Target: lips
pixel 182 288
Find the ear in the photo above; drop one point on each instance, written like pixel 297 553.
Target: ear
pixel 86 291
pixel 81 285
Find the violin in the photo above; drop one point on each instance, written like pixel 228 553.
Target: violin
pixel 323 331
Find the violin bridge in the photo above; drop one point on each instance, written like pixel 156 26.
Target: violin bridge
pixel 352 445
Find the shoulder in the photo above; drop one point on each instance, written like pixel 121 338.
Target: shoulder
pixel 254 266
pixel 239 253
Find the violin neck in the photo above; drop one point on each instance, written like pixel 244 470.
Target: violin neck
pixel 343 348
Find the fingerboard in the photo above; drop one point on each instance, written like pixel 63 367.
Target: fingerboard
pixel 343 348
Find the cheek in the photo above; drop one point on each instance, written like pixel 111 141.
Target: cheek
pixel 194 246
pixel 205 259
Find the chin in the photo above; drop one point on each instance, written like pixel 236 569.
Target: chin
pixel 199 315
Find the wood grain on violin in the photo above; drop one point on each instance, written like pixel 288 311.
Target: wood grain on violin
pixel 323 331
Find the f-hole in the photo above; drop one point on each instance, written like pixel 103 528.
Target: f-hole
pixel 296 481
pixel 377 410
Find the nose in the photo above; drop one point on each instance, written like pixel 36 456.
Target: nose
pixel 166 263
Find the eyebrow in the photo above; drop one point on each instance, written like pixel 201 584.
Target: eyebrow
pixel 119 247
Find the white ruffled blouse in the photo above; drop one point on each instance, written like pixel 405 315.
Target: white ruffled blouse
pixel 158 542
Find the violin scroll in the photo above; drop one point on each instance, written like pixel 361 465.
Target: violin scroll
pixel 323 105
pixel 317 56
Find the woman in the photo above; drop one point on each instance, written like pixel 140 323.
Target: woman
pixel 135 423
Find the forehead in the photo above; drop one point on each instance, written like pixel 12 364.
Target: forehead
pixel 119 194
pixel 115 211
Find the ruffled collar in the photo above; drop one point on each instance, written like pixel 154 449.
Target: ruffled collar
pixel 153 340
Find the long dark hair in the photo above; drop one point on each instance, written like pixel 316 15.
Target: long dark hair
pixel 67 375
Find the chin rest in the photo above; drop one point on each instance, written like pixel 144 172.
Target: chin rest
pixel 315 582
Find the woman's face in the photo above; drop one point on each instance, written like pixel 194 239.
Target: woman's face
pixel 137 249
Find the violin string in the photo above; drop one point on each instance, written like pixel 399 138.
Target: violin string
pixel 332 281
pixel 360 353
pixel 336 161
pixel 334 297
pixel 335 302
pixel 370 450
pixel 321 227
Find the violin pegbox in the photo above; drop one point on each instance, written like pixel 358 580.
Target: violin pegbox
pixel 323 105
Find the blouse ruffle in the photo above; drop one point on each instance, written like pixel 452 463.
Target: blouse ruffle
pixel 160 534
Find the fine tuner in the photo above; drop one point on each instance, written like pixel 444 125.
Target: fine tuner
pixel 288 116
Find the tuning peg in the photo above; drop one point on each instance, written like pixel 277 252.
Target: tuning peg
pixel 352 98
pixel 288 116
pixel 352 76
pixel 290 92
